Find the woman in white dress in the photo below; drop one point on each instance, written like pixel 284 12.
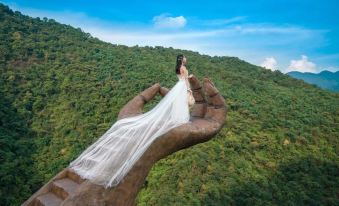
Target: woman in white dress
pixel 110 158
pixel 182 73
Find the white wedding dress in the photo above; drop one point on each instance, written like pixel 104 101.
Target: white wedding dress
pixel 109 159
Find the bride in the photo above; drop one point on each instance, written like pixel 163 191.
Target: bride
pixel 110 158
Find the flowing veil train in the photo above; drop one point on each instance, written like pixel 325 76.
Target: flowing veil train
pixel 109 159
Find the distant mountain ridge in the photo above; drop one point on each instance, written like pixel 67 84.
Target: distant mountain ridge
pixel 325 79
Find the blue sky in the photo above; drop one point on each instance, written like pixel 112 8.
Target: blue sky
pixel 285 35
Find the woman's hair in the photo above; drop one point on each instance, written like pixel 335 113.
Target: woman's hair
pixel 180 58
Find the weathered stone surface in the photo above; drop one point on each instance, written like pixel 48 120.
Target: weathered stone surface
pixel 49 199
pixel 207 118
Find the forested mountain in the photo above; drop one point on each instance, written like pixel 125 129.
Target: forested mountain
pixel 325 79
pixel 61 89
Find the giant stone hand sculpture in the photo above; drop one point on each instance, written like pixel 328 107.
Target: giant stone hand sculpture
pixel 207 119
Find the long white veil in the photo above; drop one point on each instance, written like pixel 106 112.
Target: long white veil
pixel 109 159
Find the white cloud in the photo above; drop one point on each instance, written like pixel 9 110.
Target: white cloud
pixel 165 21
pixel 269 63
pixel 219 22
pixel 261 28
pixel 302 65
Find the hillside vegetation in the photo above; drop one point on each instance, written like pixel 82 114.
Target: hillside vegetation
pixel 61 89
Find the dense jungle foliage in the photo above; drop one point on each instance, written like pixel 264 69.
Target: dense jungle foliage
pixel 61 89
